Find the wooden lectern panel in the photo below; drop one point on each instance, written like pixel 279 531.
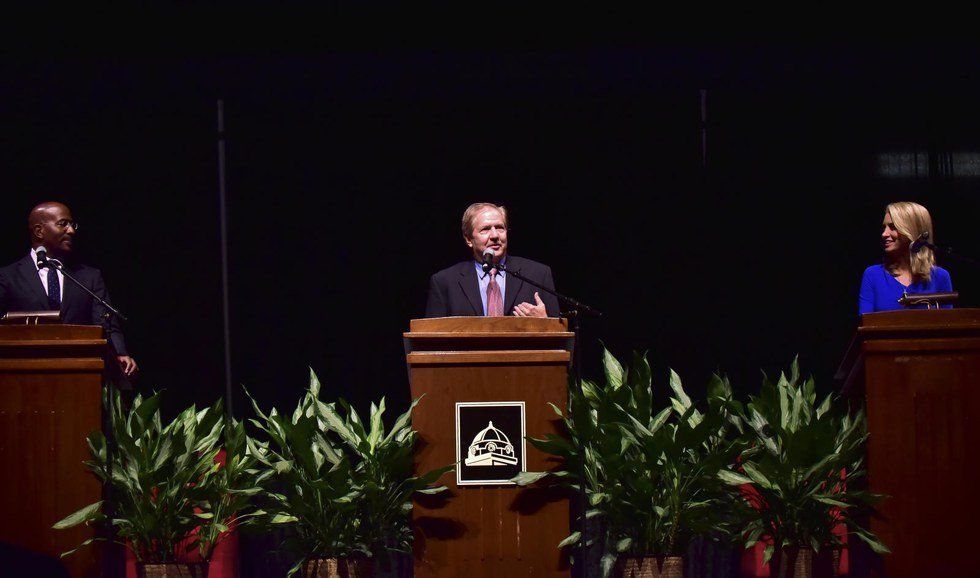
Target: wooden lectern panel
pixel 488 531
pixel 921 373
pixel 50 399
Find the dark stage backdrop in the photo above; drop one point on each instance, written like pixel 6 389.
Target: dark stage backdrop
pixel 348 172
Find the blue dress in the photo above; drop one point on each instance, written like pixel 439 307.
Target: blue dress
pixel 881 292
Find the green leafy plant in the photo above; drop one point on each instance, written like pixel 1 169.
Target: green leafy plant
pixel 343 485
pixel 165 485
pixel 650 478
pixel 804 464
pixel 233 490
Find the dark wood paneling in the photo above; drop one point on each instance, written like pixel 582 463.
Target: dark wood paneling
pixel 48 404
pixel 489 531
pixel 920 383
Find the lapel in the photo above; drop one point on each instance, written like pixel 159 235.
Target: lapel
pixel 31 279
pixel 471 286
pixel 514 286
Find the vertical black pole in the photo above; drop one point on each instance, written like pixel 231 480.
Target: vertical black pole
pixel 223 214
pixel 703 99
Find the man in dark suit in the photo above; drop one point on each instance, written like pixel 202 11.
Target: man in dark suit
pixel 26 287
pixel 466 290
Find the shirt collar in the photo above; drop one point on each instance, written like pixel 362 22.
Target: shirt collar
pixel 482 274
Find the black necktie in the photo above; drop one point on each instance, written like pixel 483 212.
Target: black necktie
pixel 54 290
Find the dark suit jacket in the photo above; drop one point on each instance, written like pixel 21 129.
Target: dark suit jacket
pixel 21 290
pixel 455 291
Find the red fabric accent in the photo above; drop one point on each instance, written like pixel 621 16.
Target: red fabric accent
pixel 752 559
pixel 224 559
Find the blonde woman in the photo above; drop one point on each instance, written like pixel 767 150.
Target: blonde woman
pixel 902 270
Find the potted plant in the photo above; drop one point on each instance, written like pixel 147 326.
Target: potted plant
pixel 802 466
pixel 168 494
pixel 344 486
pixel 233 487
pixel 650 478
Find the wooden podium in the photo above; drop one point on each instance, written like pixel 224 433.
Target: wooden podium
pixel 919 373
pixel 488 530
pixel 50 400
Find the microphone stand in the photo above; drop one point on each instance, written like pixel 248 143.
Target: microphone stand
pixel 574 313
pixel 948 252
pixel 575 304
pixel 58 266
pixel 111 566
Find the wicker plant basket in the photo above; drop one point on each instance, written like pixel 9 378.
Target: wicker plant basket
pixel 354 567
pixel 805 563
pixel 651 567
pixel 792 563
pixel 194 570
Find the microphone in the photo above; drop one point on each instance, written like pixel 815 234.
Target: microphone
pixel 487 260
pixel 922 241
pixel 42 256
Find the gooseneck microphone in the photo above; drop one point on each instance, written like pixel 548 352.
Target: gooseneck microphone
pixel 922 241
pixel 44 261
pixel 42 256
pixel 487 260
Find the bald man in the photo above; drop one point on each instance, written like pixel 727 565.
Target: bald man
pixel 26 287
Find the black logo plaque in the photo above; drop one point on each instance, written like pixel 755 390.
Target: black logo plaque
pixel 489 442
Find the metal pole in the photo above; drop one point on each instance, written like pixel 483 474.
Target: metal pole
pixel 703 101
pixel 223 215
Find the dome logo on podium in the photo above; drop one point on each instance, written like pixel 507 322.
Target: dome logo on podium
pixel 490 444
pixel 491 447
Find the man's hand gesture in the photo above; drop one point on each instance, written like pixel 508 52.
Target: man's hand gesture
pixel 527 310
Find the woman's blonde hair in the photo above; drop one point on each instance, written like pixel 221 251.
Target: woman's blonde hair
pixel 911 220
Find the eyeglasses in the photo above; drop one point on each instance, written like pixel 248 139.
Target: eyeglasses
pixel 65 223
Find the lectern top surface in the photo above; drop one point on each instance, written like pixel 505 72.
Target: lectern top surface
pixel 920 319
pixel 489 325
pixel 49 331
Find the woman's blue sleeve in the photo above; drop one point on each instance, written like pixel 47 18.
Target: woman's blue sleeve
pixel 944 284
pixel 866 298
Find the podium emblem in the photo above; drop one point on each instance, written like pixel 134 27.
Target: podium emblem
pixel 491 447
pixel 489 442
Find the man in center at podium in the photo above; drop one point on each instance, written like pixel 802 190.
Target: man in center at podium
pixel 465 289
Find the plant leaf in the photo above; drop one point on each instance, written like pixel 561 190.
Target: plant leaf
pixel 528 478
pixel 82 515
pixel 572 538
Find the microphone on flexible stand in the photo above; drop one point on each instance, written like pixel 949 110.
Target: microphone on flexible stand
pixel 42 256
pixel 44 261
pixel 922 241
pixel 488 260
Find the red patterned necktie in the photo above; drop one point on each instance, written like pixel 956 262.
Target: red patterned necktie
pixel 495 301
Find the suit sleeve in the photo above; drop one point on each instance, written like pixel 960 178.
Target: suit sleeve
pixel 435 304
pixel 550 301
pixel 111 324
